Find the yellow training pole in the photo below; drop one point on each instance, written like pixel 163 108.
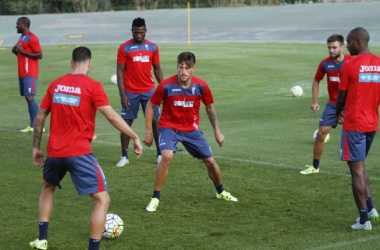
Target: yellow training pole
pixel 188 24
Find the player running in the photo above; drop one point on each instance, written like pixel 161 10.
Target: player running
pixel 181 96
pixel 331 67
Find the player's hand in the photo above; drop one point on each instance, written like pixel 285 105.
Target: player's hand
pixel 124 102
pixel 339 119
pixel 137 147
pixel 219 139
pixel 314 107
pixel 38 157
pixel 19 48
pixel 148 139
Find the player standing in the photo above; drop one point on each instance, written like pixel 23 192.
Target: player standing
pixel 181 96
pixel 331 67
pixel 359 95
pixel 73 101
pixel 135 59
pixel 28 52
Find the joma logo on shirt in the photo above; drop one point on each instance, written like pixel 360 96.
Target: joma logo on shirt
pixel 141 58
pixel 67 89
pixel 184 104
pixel 334 79
pixel 369 68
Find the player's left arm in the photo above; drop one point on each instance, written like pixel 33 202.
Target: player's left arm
pixel 35 55
pixel 158 73
pixel 211 113
pixel 39 123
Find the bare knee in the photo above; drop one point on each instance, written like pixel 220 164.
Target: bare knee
pixel 102 198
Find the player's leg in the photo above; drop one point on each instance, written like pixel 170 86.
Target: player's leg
pixel 326 123
pixel 169 141
pixel 53 173
pixel 198 147
pixel 28 88
pixel 144 101
pixel 128 115
pixel 98 218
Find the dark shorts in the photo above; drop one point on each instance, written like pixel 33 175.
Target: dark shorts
pixel 27 85
pixel 194 142
pixel 134 104
pixel 86 174
pixel 354 145
pixel 328 117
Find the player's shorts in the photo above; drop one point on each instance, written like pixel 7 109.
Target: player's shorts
pixel 194 142
pixel 354 145
pixel 328 117
pixel 27 85
pixel 86 174
pixel 134 104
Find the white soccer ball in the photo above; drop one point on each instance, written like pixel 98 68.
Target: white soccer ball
pixel 327 138
pixel 114 79
pixel 296 91
pixel 114 226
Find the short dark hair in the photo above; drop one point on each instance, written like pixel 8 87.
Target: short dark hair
pixel 187 57
pixel 336 38
pixel 25 21
pixel 138 22
pixel 81 54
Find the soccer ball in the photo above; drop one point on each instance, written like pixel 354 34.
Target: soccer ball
pixel 327 138
pixel 114 226
pixel 296 91
pixel 114 79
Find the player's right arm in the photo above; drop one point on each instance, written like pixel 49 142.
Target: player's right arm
pixel 149 110
pixel 39 122
pixel 122 126
pixel 120 83
pixel 315 91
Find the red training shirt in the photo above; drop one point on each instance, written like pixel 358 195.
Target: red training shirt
pixel 28 66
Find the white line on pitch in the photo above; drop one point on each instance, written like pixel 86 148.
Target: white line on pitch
pixel 345 243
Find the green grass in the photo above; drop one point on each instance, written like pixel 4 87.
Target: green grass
pixel 268 141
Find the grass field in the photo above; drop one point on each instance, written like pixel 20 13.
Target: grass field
pixel 268 141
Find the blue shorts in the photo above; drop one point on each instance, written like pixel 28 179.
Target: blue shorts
pixel 354 145
pixel 27 85
pixel 328 117
pixel 86 174
pixel 134 103
pixel 194 142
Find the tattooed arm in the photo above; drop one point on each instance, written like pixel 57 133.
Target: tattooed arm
pixel 214 122
pixel 38 155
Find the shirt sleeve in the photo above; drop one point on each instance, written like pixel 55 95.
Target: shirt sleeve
pixel 344 76
pixel 35 44
pixel 156 57
pixel 158 95
pixel 100 96
pixel 320 72
pixel 46 102
pixel 207 98
pixel 121 57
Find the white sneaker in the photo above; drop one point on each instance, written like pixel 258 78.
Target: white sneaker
pixel 372 215
pixel 153 204
pixel 366 226
pixel 123 161
pixel 159 158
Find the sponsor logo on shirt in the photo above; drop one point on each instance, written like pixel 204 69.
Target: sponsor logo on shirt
pixel 176 90
pixel 71 100
pixel 141 59
pixel 334 79
pixel 364 68
pixel 331 66
pixel 134 47
pixel 369 77
pixel 67 89
pixel 184 104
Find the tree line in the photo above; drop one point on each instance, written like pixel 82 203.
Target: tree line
pixel 19 7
